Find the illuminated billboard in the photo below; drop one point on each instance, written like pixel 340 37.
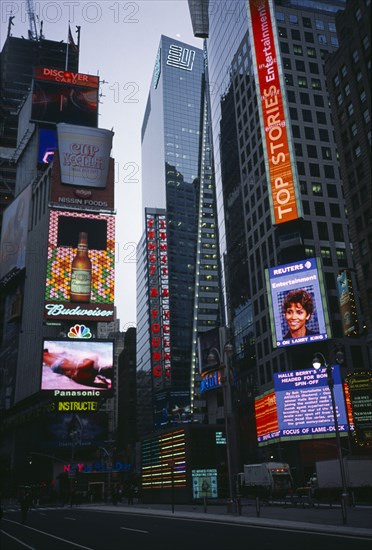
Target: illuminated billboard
pixel 277 140
pixel 80 267
pixel 47 145
pixel 82 198
pixel 77 430
pixel 301 406
pixel 14 233
pixel 77 369
pixel 298 309
pixel 359 385
pixel 209 345
pixel 64 96
pixel 347 304
pixel 158 289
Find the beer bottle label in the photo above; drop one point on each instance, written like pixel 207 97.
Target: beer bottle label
pixel 80 281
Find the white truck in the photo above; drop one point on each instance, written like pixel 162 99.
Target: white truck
pixel 358 475
pixel 268 479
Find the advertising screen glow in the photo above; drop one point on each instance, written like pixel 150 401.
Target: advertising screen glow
pixel 80 268
pixel 298 308
pixel 277 140
pixel 69 367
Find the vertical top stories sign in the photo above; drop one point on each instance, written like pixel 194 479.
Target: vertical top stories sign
pixel 277 140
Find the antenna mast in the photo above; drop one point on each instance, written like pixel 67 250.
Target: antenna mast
pixel 33 32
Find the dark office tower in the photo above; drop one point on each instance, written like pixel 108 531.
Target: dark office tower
pixel 348 73
pixel 253 197
pixel 178 180
pixel 18 58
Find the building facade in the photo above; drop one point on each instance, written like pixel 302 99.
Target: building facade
pixel 179 205
pixel 252 241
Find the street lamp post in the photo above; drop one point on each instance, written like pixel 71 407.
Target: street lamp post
pixel 228 350
pixel 318 361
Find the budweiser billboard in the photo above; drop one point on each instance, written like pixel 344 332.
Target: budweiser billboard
pixel 80 268
pixel 277 140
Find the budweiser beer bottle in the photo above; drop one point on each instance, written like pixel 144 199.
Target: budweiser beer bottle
pixel 81 272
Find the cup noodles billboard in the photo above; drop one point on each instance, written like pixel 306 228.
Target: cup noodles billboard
pixel 64 96
pixel 298 308
pixel 277 140
pixel 84 155
pixel 80 267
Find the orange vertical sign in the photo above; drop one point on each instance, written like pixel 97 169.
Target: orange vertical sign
pixel 283 179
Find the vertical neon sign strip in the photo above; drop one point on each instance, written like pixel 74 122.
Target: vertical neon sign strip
pixel 272 107
pixel 157 257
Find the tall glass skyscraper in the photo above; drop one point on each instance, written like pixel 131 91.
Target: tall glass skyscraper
pixel 178 268
pixel 304 34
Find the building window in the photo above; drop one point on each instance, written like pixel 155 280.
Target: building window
pixel 321 118
pixel 334 41
pixel 323 135
pixel 293 19
pixel 306 115
pixel 332 26
pixel 317 189
pixel 326 255
pixel 311 52
pixel 358 14
pixel 357 151
pixel 350 109
pixel 309 132
pixel 282 31
pixel 293 113
pixel 355 56
pixel 363 247
pixel 305 98
pixel 332 191
pixel 323 231
pixel 296 131
pixel 309 37
pixel 340 99
pixel 319 25
pixel 354 129
pixel 295 34
pixel 284 46
pixel 322 39
pixel 315 84
pixel 314 69
pixel 280 16
pixel 329 171
pixel 319 209
pixel 326 153
pixel 314 170
pixel 365 42
pixel 363 96
pixel 334 209
pixel 297 50
pixel 312 151
pixel 338 232
pixel 318 100
pixel 288 79
pixel 300 65
pixel 347 89
pixel 344 70
pixel 366 116
pixel 336 81
pixel 306 21
pixel 286 63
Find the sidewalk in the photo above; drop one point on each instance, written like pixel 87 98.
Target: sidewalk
pixel 323 519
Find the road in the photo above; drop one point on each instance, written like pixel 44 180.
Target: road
pixel 74 528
